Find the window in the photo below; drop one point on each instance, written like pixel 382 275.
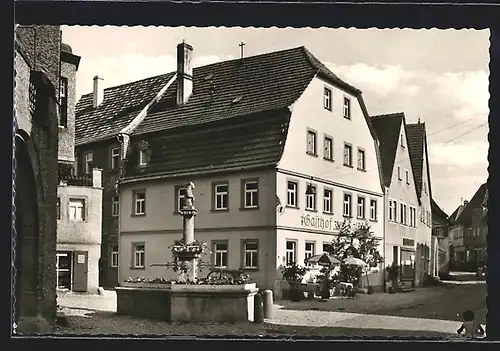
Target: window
pixel 251 190
pixel 58 208
pixel 403 214
pixel 399 173
pixel 361 207
pixel 327 99
pixel 292 194
pixel 373 209
pixel 140 202
pixel 347 108
pixel 328 144
pixel 413 216
pixel 115 210
pixel 115 157
pixel 422 215
pixel 180 195
pixel 327 201
pixel 251 256
pixel 221 196
pixel 291 252
pixel 77 209
pixel 361 159
pixel 63 102
pixel 407 174
pixel 347 155
pixel 392 210
pixel 88 162
pixel 220 254
pixel 425 187
pixel 114 256
pixel 309 251
pixel 311 199
pixel 32 98
pixel 347 205
pixel 143 157
pixel 402 140
pixel 327 247
pixel 139 254
pixel 311 142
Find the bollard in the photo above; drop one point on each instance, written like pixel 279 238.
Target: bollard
pixel 258 309
pixel 268 304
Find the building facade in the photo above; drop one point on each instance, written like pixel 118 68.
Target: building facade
pixel 417 143
pixel 251 159
pixel 79 197
pixel 456 230
pixel 440 245
pixel 401 200
pixel 36 65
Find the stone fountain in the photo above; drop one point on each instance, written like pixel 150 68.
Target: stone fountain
pixel 193 301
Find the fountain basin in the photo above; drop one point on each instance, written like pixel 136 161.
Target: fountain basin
pixel 187 303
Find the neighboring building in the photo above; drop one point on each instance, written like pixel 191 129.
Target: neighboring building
pixel 401 201
pixel 456 234
pixel 242 131
pixel 440 246
pixel 79 198
pixel 474 220
pixel 417 143
pixel 36 64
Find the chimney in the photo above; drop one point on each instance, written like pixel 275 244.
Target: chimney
pixel 184 72
pixel 98 94
pixel 466 202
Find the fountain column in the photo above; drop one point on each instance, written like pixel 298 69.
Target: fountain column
pixel 188 212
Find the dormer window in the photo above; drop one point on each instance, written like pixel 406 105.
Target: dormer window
pixel 143 155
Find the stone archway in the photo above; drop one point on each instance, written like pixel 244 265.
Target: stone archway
pixel 27 313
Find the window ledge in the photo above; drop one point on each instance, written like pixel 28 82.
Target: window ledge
pixel 311 154
pixel 250 269
pixel 311 210
pixel 328 213
pixel 373 220
pixel 346 165
pixel 362 169
pixel 346 216
pixel 293 207
pixel 328 159
pixel 138 215
pixel 357 217
pixel 62 127
pixel 347 117
pixel 138 268
pixel 249 208
pixel 219 210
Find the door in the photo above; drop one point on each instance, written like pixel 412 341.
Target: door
pixel 63 270
pixel 80 271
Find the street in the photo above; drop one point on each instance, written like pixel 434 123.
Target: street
pixel 426 312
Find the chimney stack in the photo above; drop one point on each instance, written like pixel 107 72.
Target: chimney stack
pixel 466 202
pixel 98 94
pixel 184 72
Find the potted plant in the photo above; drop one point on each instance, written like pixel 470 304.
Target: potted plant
pixel 293 275
pixel 392 277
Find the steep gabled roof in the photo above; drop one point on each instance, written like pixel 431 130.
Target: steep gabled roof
pixel 248 142
pixel 476 202
pixel 416 138
pixel 437 210
pixel 119 107
pixel 387 128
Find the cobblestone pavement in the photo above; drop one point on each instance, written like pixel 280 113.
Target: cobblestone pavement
pixel 95 315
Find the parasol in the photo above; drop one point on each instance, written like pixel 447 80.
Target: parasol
pixel 353 261
pixel 323 259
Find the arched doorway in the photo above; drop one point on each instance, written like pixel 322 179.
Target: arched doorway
pixel 26 225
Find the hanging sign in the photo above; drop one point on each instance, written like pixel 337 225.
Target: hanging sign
pixel 81 258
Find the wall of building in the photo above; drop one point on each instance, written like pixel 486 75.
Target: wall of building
pixel 21 93
pixel 401 191
pixel 157 251
pixel 101 152
pixel 67 134
pixel 82 235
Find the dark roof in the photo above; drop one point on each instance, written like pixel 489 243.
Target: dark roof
pixel 263 82
pixel 387 128
pixel 120 106
pixel 476 202
pixel 437 210
pixel 415 134
pixel 248 142
pixel 66 48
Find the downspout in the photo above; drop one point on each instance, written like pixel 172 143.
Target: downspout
pixel 384 213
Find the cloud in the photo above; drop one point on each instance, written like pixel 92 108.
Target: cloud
pixel 129 67
pixel 459 155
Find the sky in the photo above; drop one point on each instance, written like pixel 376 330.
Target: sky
pixel 439 76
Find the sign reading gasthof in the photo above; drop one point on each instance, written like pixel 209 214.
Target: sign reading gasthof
pixel 316 222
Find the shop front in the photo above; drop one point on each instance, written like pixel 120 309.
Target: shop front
pixel 407 261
